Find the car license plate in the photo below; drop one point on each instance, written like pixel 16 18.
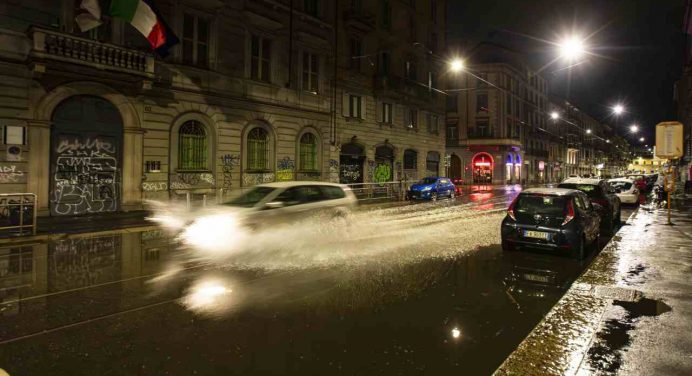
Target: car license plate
pixel 536 278
pixel 537 234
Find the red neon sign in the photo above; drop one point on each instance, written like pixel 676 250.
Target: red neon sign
pixel 482 163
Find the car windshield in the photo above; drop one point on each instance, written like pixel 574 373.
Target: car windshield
pixel 593 191
pixel 621 185
pixel 540 204
pixel 251 197
pixel 428 181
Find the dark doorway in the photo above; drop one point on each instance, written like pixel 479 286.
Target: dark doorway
pixel 85 160
pixel 455 167
pixel 351 164
pixel 384 163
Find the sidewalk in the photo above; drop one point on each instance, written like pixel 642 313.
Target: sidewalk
pixel 628 313
pixel 58 227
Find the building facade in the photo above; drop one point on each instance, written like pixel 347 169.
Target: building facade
pixel 496 120
pixel 502 128
pixel 256 92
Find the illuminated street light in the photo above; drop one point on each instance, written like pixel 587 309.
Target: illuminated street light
pixel 607 141
pixel 618 109
pixel 588 131
pixel 634 128
pixel 554 115
pixel 571 48
pixel 456 65
pixel 641 139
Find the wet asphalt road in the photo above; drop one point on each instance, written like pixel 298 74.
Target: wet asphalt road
pixel 403 290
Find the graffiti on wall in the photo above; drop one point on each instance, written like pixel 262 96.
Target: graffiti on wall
pixel 250 179
pixel 10 174
pixel 79 262
pixel 228 163
pixel 285 169
pixel 350 173
pixel 188 180
pixel 86 175
pixel 154 186
pixel 333 171
pixel 370 170
pixel 383 173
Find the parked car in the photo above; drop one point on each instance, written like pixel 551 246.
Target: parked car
pixel 285 202
pixel 625 189
pixel 432 188
pixel 600 193
pixel 458 185
pixel 553 219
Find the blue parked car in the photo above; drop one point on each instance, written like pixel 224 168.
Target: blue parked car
pixel 431 188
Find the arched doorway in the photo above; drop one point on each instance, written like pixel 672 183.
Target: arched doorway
pixel 482 168
pixel 85 159
pixel 351 164
pixel 455 167
pixel 384 163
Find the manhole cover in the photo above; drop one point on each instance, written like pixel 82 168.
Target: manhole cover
pixel 617 293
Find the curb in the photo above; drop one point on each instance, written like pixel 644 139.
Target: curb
pixel 521 361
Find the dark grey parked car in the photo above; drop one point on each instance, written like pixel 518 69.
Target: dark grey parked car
pixel 601 193
pixel 560 220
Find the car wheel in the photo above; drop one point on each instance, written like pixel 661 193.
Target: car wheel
pixel 507 246
pixel 451 194
pixel 594 244
pixel 433 196
pixel 607 225
pixel 618 218
pixel 579 249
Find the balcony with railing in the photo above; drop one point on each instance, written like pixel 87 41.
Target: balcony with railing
pixel 388 83
pixel 54 45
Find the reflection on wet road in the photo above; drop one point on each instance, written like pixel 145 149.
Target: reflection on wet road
pixel 414 289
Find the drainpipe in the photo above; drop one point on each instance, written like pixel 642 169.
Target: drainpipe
pixel 334 79
pixel 290 46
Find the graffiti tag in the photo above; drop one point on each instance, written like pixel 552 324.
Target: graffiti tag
pixel 9 174
pixel 154 186
pixel 86 176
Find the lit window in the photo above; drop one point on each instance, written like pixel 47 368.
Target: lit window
pixel 258 149
pixel 308 152
pixel 192 146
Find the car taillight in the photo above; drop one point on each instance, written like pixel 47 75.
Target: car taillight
pixel 570 213
pixel 510 210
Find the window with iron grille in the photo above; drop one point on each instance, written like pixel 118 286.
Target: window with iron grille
pixel 192 146
pixel 258 149
pixel 308 152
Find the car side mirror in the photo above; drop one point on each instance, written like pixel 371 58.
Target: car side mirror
pixel 274 205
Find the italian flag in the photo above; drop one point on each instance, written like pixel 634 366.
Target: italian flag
pixel 141 14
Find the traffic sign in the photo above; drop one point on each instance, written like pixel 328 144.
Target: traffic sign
pixel 669 140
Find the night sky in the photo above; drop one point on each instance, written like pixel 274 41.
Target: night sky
pixel 640 46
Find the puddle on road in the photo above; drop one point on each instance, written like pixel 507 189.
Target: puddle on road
pixel 605 356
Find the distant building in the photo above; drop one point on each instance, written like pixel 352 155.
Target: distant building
pixel 503 129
